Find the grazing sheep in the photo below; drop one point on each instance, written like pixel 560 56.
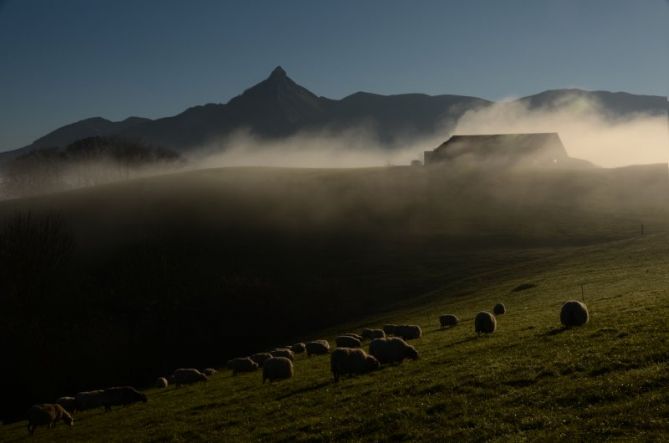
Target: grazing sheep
pixel 318 347
pixel 354 335
pixel 47 414
pixel 298 348
pixel 187 376
pixel 485 323
pixel 349 361
pixel 161 383
pixel 277 368
pixel 89 399
pixel 283 352
pixel 574 313
pixel 242 364
pixel 347 341
pixel 121 396
pixel 68 403
pixel 260 357
pixel 448 320
pixel 392 350
pixel 408 332
pixel 499 309
pixel 209 371
pixel 371 334
pixel 389 329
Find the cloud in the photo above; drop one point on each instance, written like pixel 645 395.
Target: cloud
pixel 583 127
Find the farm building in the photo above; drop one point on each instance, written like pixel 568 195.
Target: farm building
pixel 538 150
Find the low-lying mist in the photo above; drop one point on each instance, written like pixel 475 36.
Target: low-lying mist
pixel 586 130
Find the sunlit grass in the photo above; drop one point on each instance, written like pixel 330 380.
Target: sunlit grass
pixel 531 380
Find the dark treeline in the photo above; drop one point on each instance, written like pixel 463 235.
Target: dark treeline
pixel 86 162
pixel 123 283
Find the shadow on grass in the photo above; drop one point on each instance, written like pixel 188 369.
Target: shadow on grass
pixel 465 340
pixel 445 328
pixel 310 388
pixel 556 331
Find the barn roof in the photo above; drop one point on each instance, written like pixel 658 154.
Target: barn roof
pixel 484 143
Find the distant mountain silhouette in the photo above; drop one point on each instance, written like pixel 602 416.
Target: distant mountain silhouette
pixel 90 127
pixel 613 104
pixel 278 107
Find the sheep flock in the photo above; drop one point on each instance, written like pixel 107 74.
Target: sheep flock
pixel 386 345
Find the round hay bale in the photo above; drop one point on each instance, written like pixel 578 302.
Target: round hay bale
pixel 499 309
pixel 485 323
pixel 448 320
pixel 161 383
pixel 574 313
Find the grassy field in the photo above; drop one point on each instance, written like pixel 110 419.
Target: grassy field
pixel 529 381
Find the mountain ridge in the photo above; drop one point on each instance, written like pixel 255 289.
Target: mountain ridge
pixel 278 107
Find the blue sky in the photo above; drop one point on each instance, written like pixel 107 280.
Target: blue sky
pixel 65 60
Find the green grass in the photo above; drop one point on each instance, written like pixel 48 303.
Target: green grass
pixel 530 381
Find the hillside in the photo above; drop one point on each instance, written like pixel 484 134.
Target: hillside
pixel 531 380
pixel 158 271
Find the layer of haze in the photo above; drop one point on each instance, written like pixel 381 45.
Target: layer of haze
pixel 585 130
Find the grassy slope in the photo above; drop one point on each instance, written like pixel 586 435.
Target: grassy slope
pixel 528 381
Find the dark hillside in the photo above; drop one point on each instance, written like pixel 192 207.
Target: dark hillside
pixel 190 269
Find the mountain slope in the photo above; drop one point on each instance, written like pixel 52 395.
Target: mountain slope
pixel 90 127
pixel 278 107
pixel 613 104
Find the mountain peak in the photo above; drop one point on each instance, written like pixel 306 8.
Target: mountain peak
pixel 278 72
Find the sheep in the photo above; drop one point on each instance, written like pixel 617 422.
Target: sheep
pixel 187 376
pixel 47 414
pixel 260 357
pixel 283 352
pixel 485 323
pixel 351 361
pixel 68 403
pixel 574 313
pixel 448 320
pixel 209 371
pixel 161 383
pixel 242 364
pixel 371 334
pixel 89 399
pixel 392 350
pixel 277 368
pixel 347 341
pixel 499 309
pixel 298 348
pixel 408 332
pixel 354 335
pixel 389 329
pixel 121 396
pixel 318 347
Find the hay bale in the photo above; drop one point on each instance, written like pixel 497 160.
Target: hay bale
pixel 499 309
pixel 485 323
pixel 574 313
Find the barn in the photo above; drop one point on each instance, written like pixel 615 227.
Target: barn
pixel 534 150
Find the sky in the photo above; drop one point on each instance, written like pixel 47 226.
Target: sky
pixel 65 60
